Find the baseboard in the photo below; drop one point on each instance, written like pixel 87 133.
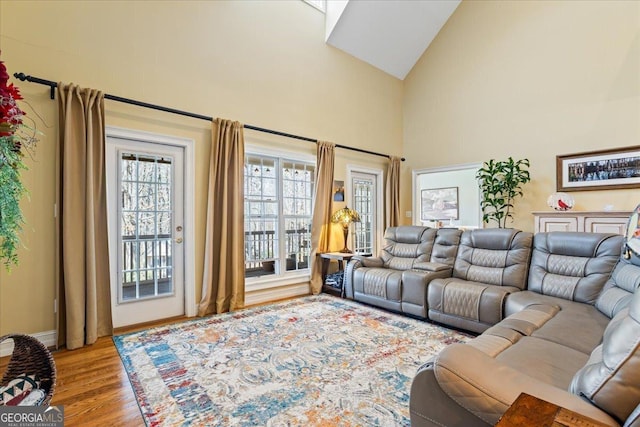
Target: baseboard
pixel 48 338
pixel 273 294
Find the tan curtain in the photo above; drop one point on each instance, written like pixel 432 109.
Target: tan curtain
pixel 84 287
pixel 223 281
pixel 321 225
pixel 392 202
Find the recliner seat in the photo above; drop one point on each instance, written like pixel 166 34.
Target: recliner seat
pixel 397 280
pixel 490 264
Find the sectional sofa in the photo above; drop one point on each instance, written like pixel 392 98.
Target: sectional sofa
pixel 558 313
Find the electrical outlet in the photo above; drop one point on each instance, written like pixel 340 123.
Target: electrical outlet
pixel 407 214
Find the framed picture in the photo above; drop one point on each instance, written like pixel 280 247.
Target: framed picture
pixel 616 168
pixel 439 204
pixel 338 191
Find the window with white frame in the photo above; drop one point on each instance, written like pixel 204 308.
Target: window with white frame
pixel 278 197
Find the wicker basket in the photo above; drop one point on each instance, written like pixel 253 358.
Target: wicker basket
pixel 30 356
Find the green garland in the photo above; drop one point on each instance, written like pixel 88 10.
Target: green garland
pixel 11 191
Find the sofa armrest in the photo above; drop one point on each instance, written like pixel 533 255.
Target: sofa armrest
pixel 355 263
pixel 368 261
pixel 486 387
pixel 431 266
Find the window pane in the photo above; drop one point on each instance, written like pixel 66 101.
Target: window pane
pixel 269 188
pixel 129 169
pixel 129 196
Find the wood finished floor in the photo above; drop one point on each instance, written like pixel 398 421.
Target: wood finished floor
pixel 93 386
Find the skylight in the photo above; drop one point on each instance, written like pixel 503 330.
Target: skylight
pixel 321 5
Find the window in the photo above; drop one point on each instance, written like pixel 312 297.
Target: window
pixel 278 196
pixel 146 242
pixel 366 198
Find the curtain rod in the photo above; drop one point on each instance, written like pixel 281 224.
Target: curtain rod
pixel 52 85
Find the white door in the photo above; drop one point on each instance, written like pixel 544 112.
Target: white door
pixel 365 194
pixel 145 191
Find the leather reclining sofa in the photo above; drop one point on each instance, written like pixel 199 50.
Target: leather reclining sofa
pixel 558 316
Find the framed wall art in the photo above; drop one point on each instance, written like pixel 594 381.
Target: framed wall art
pixel 599 170
pixel 439 204
pixel 338 191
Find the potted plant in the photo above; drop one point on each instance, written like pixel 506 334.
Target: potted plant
pixel 13 142
pixel 501 182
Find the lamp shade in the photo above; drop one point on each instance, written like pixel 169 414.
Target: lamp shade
pixel 345 216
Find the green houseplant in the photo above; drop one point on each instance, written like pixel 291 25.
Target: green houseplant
pixel 14 140
pixel 501 182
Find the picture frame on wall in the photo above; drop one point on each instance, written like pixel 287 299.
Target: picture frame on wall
pixel 611 169
pixel 338 191
pixel 438 204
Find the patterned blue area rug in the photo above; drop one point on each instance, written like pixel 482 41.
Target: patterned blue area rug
pixel 313 361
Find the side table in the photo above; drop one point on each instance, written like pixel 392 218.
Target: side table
pixel 528 410
pixel 341 257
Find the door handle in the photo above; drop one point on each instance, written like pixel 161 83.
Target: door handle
pixel 179 240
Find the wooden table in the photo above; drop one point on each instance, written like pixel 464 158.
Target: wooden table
pixel 529 411
pixel 341 257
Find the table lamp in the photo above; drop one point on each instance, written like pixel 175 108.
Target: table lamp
pixel 345 217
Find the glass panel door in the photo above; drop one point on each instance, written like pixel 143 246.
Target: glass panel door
pixel 364 202
pixel 145 186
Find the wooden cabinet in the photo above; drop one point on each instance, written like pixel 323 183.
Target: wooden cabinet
pixel 592 222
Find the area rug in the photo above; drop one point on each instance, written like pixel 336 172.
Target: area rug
pixel 313 361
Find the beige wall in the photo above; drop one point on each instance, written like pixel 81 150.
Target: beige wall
pixel 522 79
pixel 263 63
pixel 530 79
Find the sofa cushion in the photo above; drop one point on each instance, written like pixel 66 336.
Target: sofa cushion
pixel 576 325
pixel 513 342
pixel 499 337
pixel 529 321
pixel 573 266
pixel 552 363
pixel 407 245
pixel 620 287
pixel 379 282
pixel 445 247
pixel 470 305
pixel 494 256
pixel 611 377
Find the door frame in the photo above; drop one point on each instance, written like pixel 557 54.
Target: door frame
pixel 379 174
pixel 188 145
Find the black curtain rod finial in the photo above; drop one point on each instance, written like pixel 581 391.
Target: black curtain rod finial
pixel 52 85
